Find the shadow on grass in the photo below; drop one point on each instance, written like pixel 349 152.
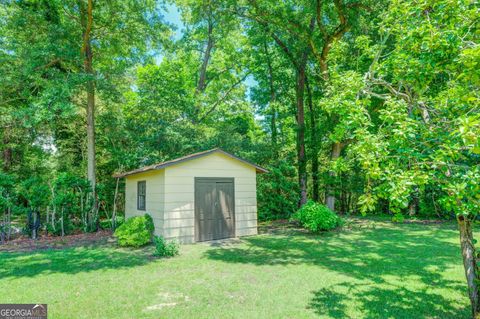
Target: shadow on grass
pixel 371 258
pixel 69 261
pixel 392 302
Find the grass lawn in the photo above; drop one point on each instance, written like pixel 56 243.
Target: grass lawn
pixel 379 270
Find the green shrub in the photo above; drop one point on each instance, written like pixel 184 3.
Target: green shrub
pixel 165 248
pixel 56 229
pixel 136 231
pixel 316 217
pixel 398 218
pixel 149 223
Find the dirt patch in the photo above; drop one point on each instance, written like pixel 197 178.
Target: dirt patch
pixel 168 300
pixel 23 244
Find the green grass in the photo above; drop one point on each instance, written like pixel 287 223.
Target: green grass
pixel 381 271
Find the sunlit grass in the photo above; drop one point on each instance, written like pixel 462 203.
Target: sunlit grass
pixel 378 271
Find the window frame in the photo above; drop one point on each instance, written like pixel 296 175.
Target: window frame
pixel 139 184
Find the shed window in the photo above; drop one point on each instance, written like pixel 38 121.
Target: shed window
pixel 141 195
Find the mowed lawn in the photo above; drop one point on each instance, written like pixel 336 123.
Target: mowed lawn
pixel 373 270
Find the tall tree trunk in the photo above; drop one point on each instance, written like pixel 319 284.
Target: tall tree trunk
pixel 273 127
pixel 9 222
pixel 91 169
pixel 330 193
pixel 470 263
pixel 54 211
pixel 114 214
pixel 2 237
pixel 62 225
pixel 54 207
pixel 300 64
pixel 202 73
pixel 412 207
pixel 90 86
pixel 300 91
pixel 314 144
pixel 301 156
pixel 273 97
pixel 47 219
pixel 87 24
pixel 322 58
pixel 413 204
pixel 34 230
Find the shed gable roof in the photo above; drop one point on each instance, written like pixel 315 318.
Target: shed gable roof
pixel 162 165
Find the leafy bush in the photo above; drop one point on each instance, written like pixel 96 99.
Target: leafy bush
pixel 316 217
pixel 56 228
pixel 398 218
pixel 165 248
pixel 136 231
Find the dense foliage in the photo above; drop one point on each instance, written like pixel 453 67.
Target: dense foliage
pixel 108 223
pixel 277 194
pixel 135 231
pixel 316 217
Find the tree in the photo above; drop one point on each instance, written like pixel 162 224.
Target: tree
pixel 333 24
pixel 428 126
pixel 214 39
pixel 302 30
pixel 86 21
pixel 104 29
pixel 83 46
pixel 269 16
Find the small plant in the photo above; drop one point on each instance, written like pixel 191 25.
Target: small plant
pixel 164 248
pixel 136 231
pixel 398 218
pixel 316 217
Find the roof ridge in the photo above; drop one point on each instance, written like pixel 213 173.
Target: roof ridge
pixel 174 161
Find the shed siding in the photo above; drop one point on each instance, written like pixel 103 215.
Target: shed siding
pixel 180 194
pixel 155 197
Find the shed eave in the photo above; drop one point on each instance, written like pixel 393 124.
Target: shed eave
pixel 159 166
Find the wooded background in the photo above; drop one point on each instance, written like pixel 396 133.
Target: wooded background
pixel 361 105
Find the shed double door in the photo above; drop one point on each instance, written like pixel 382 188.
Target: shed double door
pixel 214 208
